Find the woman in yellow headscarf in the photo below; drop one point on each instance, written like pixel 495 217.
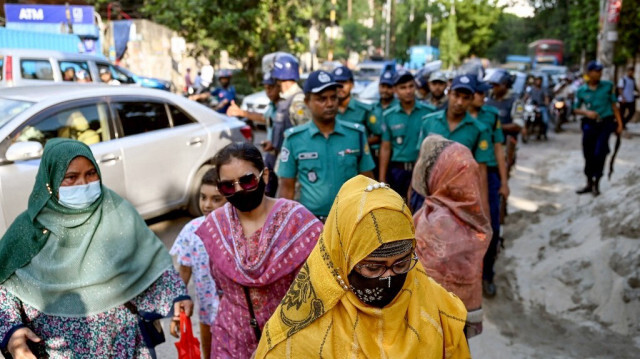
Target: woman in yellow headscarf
pixel 361 293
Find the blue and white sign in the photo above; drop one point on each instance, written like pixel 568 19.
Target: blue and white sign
pixel 48 14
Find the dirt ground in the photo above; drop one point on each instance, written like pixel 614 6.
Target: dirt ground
pixel 569 275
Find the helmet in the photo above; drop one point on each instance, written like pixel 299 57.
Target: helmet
pixel 285 67
pixel 500 76
pixel 224 73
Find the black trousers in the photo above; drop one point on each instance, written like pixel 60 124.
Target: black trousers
pixel 595 145
pixel 627 110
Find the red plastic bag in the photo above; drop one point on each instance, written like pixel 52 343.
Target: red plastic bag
pixel 188 346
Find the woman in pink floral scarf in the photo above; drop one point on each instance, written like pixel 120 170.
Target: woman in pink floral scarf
pixel 256 245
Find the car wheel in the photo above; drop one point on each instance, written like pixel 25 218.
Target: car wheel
pixel 193 207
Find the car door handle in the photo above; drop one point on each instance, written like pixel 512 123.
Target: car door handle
pixel 109 158
pixel 195 141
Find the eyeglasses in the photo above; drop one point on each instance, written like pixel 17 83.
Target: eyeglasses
pixel 376 270
pixel 248 182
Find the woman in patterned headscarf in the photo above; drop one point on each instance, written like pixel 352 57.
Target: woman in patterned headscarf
pixel 78 263
pixel 361 293
pixel 452 227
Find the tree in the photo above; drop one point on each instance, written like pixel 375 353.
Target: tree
pixel 450 46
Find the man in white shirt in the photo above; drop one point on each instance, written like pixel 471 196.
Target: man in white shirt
pixel 628 93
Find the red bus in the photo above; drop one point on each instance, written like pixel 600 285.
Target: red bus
pixel 546 51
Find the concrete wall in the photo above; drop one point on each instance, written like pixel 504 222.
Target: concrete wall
pixel 156 51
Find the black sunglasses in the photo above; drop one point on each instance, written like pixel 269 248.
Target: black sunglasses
pixel 248 182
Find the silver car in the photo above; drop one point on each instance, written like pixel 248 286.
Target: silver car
pixel 153 147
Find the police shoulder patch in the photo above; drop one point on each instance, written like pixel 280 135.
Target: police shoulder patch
pixel 484 145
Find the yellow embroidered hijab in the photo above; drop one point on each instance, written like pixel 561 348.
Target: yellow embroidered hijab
pixel 321 318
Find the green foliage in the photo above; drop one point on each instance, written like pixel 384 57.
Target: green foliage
pixel 476 22
pixel 512 34
pixel 628 44
pixel 450 46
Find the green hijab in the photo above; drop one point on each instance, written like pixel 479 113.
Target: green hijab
pixel 78 262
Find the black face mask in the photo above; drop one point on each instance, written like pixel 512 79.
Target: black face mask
pixel 245 201
pixel 376 292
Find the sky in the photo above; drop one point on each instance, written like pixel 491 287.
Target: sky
pixel 520 8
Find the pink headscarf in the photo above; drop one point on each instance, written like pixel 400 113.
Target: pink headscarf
pixel 453 229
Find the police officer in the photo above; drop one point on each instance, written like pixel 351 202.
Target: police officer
pixel 422 84
pixel 496 178
pixel 349 109
pixel 437 87
pixel 400 130
pixel 510 111
pixel 226 93
pixel 456 124
pixel 601 118
pixel 387 100
pixel 323 153
pixel 291 111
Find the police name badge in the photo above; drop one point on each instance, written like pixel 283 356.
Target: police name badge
pixel 308 156
pixel 312 176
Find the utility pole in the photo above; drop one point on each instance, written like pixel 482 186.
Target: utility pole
pixel 349 8
pixel 429 19
pixel 387 37
pixel 609 17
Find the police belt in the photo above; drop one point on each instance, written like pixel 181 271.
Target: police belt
pixel 492 169
pixel 407 166
pixel 599 119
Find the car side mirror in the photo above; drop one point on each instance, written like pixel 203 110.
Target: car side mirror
pixel 23 151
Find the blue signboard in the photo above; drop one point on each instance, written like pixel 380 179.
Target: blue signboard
pixel 48 14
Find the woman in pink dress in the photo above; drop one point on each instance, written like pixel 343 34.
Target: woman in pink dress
pixel 256 245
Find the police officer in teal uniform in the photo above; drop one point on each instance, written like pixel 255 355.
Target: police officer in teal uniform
pixel 496 178
pixel 456 124
pixel 387 100
pixel 324 153
pixel 400 130
pixel 349 109
pixel 601 118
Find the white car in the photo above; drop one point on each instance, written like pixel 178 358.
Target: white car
pixel 153 147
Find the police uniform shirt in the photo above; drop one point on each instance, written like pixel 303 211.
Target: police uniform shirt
pixel 222 94
pixel 374 124
pixel 505 107
pixel 269 116
pixel 488 116
pixel 298 112
pixel 599 100
pixel 323 164
pixel 402 130
pixel 356 112
pixel 469 132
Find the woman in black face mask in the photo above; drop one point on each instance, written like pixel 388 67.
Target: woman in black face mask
pixel 362 292
pixel 256 245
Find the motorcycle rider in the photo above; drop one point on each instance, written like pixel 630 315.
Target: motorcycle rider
pixel 539 96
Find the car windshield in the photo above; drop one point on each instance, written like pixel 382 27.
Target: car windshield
pixel 11 108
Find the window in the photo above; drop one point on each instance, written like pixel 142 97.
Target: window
pixel 141 117
pixel 75 71
pixel 179 117
pixel 36 70
pixel 119 76
pixel 88 124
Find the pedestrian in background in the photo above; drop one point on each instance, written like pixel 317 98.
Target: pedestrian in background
pixel 324 153
pixel 400 131
pixel 292 111
pixel 601 118
pixel 452 227
pixel 362 292
pixel 350 109
pixel 256 245
pixel 80 268
pixel 188 83
pixel 193 259
pixel 628 95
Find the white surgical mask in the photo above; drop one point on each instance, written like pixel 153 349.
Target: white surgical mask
pixel 79 197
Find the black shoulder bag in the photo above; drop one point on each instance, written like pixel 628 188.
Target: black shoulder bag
pixel 151 329
pixel 252 322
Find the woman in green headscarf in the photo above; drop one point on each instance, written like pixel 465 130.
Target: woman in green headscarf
pixel 78 263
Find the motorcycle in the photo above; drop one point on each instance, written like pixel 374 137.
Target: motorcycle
pixel 560 113
pixel 533 123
